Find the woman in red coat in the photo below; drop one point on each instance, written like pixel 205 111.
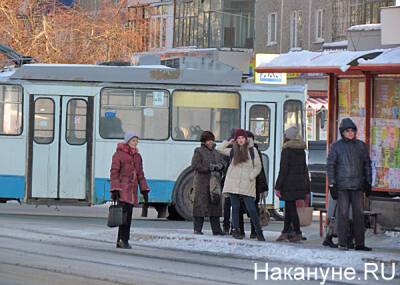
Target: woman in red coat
pixel 125 175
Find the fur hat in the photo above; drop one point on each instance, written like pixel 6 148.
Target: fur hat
pixel 240 133
pixel 207 136
pixel 250 135
pixel 292 133
pixel 129 135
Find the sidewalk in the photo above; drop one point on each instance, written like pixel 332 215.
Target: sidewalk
pixel 386 246
pixel 96 211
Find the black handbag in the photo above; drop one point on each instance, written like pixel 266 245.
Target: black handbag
pixel 115 215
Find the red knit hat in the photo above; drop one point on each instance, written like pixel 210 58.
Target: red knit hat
pixel 240 133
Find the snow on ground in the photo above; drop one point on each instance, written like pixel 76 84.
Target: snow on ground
pixel 308 253
pixel 284 252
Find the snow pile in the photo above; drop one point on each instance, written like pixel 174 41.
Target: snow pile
pixel 335 44
pixel 338 59
pixel 270 250
pixel 389 56
pixel 366 27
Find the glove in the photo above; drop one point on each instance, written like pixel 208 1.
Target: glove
pixel 219 167
pixel 334 192
pixel 145 197
pixel 115 195
pixel 215 167
pixel 278 193
pixel 367 189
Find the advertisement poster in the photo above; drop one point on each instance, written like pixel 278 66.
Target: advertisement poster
pixel 385 153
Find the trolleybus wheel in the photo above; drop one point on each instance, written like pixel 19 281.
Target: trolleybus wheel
pixel 184 194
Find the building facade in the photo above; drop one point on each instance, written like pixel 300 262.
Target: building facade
pixel 214 23
pixel 155 20
pixel 284 25
pixel 347 13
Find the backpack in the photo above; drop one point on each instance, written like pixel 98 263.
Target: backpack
pixel 261 179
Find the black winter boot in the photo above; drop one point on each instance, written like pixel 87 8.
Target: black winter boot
pixel 236 234
pixel 329 242
pixel 260 236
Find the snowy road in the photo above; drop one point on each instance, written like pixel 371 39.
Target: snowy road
pixel 71 250
pixel 29 256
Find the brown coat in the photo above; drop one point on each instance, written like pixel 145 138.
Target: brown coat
pixel 202 158
pixel 127 173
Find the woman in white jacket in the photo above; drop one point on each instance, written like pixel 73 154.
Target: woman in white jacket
pixel 240 181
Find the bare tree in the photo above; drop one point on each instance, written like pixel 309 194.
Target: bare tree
pixel 53 33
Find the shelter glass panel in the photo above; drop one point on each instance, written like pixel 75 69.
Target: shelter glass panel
pixel 10 110
pixel 198 111
pixel 385 133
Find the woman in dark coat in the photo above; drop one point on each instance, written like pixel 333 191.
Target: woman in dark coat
pixel 293 182
pixel 205 161
pixel 126 174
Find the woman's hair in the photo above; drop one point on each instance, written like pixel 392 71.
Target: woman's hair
pixel 207 136
pixel 240 153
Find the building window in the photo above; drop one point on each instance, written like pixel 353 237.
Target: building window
pixel 197 111
pixel 319 26
pixel 142 111
pixel 296 29
pixel 272 29
pixel 10 110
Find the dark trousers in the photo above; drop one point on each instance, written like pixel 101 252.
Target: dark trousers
pixel 291 217
pixel 227 213
pixel 249 203
pixel 124 230
pixel 214 222
pixel 354 198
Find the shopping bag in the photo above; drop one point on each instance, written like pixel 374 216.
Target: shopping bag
pixel 115 215
pixel 264 213
pixel 305 215
pixel 215 187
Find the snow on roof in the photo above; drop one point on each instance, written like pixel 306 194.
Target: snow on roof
pixel 366 27
pixel 329 59
pixel 336 44
pixel 389 56
pixel 4 75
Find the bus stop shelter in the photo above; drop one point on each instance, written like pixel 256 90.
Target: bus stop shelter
pixel 365 86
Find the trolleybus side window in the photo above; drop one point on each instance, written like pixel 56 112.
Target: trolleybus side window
pixel 143 111
pixel 293 115
pixel 76 122
pixel 10 110
pixel 197 111
pixel 44 121
pixel 259 125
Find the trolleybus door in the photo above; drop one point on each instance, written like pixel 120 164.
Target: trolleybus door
pixel 73 144
pixel 44 138
pixel 260 120
pixel 60 147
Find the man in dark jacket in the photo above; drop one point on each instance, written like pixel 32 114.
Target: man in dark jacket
pixel 349 175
